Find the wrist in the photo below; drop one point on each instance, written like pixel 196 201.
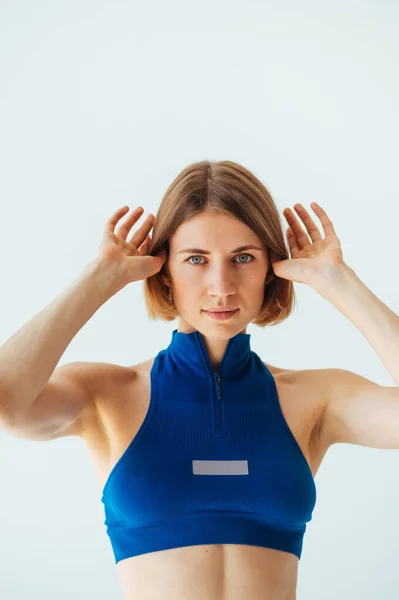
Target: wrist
pixel 334 278
pixel 105 274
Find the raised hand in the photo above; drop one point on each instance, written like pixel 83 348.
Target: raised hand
pixel 312 255
pixel 131 257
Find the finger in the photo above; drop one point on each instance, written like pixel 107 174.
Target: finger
pixel 301 237
pixel 310 225
pixel 294 249
pixel 327 225
pixel 145 246
pixel 126 226
pixel 141 234
pixel 112 221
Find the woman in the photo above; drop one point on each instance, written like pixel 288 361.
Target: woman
pixel 206 454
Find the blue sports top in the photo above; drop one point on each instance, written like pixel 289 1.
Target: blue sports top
pixel 214 461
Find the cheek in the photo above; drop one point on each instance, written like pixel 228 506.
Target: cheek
pixel 184 275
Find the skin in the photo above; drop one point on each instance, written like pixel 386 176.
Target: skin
pixel 220 278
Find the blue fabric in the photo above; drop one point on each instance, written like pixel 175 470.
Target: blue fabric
pixel 153 500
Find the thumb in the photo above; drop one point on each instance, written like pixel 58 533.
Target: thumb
pixel 274 259
pixel 162 254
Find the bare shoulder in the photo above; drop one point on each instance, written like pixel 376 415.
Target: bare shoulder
pixel 314 382
pixel 306 389
pixel 102 381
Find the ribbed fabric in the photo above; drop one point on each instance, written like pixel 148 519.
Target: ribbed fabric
pixel 214 461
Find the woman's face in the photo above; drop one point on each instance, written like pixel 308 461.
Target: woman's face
pixel 215 274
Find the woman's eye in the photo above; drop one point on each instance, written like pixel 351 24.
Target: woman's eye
pixel 238 255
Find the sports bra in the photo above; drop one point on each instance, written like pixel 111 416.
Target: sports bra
pixel 213 462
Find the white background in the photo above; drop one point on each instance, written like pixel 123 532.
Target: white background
pixel 102 104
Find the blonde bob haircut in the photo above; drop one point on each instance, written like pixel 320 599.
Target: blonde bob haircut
pixel 222 187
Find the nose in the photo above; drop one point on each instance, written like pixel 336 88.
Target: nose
pixel 221 283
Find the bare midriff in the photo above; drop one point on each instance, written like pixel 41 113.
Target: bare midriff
pixel 210 572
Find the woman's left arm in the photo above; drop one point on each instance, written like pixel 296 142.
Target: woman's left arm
pixel 357 410
pixel 374 319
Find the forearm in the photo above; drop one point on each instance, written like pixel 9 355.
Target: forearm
pixel 374 319
pixel 30 356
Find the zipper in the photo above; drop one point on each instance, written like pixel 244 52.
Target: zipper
pixel 217 406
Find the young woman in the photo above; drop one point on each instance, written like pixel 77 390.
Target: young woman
pixel 206 454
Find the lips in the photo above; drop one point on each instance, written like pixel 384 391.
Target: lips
pixel 222 310
pixel 221 315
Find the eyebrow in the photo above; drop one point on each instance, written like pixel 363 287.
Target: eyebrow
pixel 202 251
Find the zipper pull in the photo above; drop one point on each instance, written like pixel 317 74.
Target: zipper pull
pixel 218 385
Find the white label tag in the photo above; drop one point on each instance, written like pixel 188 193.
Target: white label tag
pixel 220 467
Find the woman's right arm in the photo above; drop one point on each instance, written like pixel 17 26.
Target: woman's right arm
pixel 29 402
pixel 30 356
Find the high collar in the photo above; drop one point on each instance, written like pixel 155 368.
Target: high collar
pixel 188 351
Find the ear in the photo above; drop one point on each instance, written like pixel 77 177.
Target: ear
pixel 166 280
pixel 164 272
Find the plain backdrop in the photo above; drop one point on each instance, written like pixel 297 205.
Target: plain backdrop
pixel 102 104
